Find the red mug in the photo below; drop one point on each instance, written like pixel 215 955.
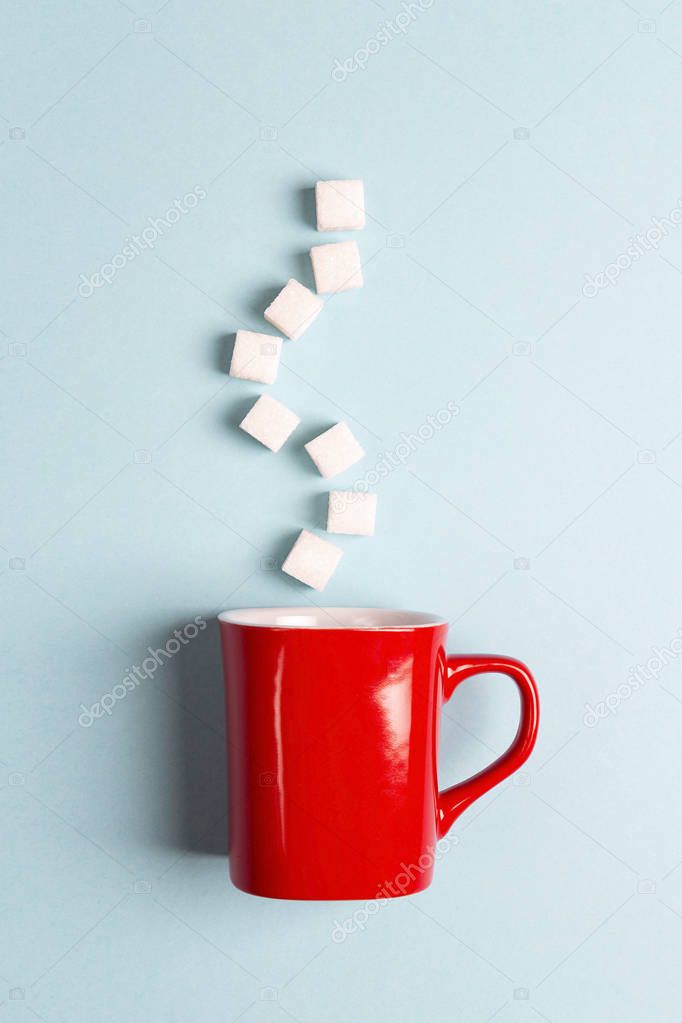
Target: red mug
pixel 332 723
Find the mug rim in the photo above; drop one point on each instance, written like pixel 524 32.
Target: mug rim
pixel 317 618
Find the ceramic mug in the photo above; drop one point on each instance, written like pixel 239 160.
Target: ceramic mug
pixel 333 722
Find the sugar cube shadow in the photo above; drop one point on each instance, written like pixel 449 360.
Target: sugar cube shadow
pixel 295 446
pixel 303 269
pixel 259 302
pixel 307 211
pixel 279 551
pixel 318 510
pixel 222 351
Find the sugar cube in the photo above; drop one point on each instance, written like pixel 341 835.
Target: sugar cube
pixel 312 560
pixel 256 357
pixel 334 450
pixel 293 309
pixel 270 422
pixel 351 512
pixel 340 205
pixel 336 267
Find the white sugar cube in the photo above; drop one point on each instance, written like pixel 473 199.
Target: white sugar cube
pixel 312 560
pixel 293 310
pixel 334 450
pixel 340 205
pixel 270 422
pixel 336 267
pixel 256 357
pixel 351 512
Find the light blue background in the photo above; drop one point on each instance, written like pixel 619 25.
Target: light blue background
pixel 507 151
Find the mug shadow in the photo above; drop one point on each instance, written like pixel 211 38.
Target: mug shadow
pixel 197 782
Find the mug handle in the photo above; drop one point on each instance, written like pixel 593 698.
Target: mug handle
pixel 455 800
